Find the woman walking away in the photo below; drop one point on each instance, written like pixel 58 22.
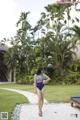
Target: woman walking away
pixel 40 79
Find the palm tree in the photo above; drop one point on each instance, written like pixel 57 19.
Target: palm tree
pixel 76 29
pixel 56 44
pixel 24 43
pixel 10 58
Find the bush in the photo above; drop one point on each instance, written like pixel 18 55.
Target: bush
pixel 72 78
pixel 78 82
pixel 50 72
pixel 24 79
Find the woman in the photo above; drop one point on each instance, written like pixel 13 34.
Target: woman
pixel 40 79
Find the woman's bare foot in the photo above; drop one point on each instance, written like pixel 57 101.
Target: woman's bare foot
pixel 40 113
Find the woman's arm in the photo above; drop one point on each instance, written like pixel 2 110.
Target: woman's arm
pixel 35 84
pixel 47 78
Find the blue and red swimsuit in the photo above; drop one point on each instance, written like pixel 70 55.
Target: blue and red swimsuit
pixel 39 82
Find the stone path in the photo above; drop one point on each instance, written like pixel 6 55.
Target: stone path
pixel 50 112
pixel 62 111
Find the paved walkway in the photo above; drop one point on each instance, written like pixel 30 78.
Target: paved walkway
pixel 50 111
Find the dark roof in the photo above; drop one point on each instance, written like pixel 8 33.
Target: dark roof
pixel 3 47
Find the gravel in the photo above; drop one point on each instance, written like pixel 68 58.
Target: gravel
pixel 16 112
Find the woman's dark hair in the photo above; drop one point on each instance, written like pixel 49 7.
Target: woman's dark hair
pixel 39 70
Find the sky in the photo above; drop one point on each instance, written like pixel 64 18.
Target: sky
pixel 10 11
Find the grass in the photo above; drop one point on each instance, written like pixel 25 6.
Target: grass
pixel 17 86
pixel 8 101
pixel 53 93
pixel 61 93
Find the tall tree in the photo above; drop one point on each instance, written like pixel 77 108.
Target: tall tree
pixel 56 43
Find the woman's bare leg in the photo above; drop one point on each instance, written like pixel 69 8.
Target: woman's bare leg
pixel 42 97
pixel 40 101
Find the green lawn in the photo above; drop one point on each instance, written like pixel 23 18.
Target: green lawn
pixel 61 93
pixel 55 93
pixel 8 101
pixel 17 86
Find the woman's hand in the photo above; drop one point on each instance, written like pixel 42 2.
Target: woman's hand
pixel 35 91
pixel 45 81
pixel 34 85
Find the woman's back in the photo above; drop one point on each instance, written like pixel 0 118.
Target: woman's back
pixel 39 78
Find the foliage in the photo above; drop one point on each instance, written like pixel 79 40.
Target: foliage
pixel 24 79
pixel 72 78
pixel 50 42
